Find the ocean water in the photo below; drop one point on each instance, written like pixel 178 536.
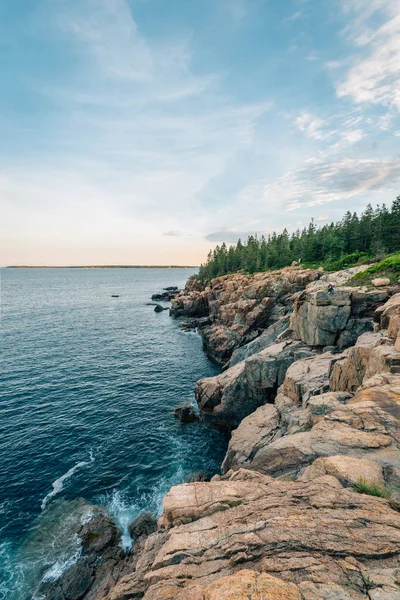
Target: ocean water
pixel 88 387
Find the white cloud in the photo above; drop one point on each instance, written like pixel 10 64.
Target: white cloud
pixel 312 126
pixel 352 136
pixel 319 181
pixel 374 77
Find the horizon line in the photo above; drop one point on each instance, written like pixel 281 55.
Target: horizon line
pixel 100 267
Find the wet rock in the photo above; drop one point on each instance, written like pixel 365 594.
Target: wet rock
pixel 166 296
pixel 77 581
pixel 186 414
pixel 88 537
pixel 195 323
pixel 99 534
pixel 202 476
pixel 158 308
pixel 143 526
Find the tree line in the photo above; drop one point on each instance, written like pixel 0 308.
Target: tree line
pixel 353 239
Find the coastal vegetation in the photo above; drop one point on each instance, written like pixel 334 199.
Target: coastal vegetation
pixel 351 241
pixel 371 488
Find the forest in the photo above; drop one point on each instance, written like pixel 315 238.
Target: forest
pixel 352 240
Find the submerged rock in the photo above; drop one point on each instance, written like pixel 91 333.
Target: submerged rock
pixel 186 414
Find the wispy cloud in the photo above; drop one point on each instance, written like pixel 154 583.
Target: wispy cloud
pixel 172 233
pixel 148 128
pixel 319 182
pixel 312 126
pixel 374 77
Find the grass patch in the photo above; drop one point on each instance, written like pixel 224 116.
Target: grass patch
pixel 372 488
pixel 369 583
pixel 389 267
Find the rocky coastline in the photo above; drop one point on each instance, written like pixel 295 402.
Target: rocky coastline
pixel 307 505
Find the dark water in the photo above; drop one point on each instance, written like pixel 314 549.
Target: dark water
pixel 89 382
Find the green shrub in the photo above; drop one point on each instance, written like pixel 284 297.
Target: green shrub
pixel 372 488
pixel 348 260
pixel 389 267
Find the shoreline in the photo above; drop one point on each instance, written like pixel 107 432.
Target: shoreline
pixel 311 388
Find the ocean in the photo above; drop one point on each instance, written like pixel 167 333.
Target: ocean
pixel 89 383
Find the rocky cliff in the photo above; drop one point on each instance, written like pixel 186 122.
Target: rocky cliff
pixel 307 506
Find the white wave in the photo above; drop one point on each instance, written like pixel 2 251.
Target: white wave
pixel 58 484
pixel 123 513
pixel 62 565
pixel 87 516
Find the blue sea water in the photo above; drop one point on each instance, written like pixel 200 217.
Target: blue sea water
pixel 88 387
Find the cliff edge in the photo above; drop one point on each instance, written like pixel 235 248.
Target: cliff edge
pixel 307 506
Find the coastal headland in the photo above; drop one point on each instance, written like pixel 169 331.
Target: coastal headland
pixel 307 505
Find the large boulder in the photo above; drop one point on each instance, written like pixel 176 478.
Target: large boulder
pixel 259 429
pixel 267 338
pixel 348 470
pixel 238 391
pixel 144 525
pixel 186 413
pixel 381 282
pixel 309 377
pixel 373 354
pixel 318 316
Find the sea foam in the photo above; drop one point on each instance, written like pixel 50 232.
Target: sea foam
pixel 58 484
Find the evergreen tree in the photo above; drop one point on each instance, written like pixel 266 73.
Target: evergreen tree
pixel 370 235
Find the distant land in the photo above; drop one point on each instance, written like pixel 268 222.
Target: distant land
pixel 102 267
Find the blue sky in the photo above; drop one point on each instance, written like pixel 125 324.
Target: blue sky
pixel 146 131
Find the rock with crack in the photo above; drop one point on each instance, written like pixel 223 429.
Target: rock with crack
pixel 301 429
pixel 238 391
pixel 267 338
pixel 241 306
pixel 373 353
pixel 246 533
pixel 318 317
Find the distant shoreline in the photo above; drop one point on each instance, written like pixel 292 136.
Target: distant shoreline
pixel 102 267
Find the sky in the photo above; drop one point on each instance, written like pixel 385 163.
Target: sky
pixel 148 131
